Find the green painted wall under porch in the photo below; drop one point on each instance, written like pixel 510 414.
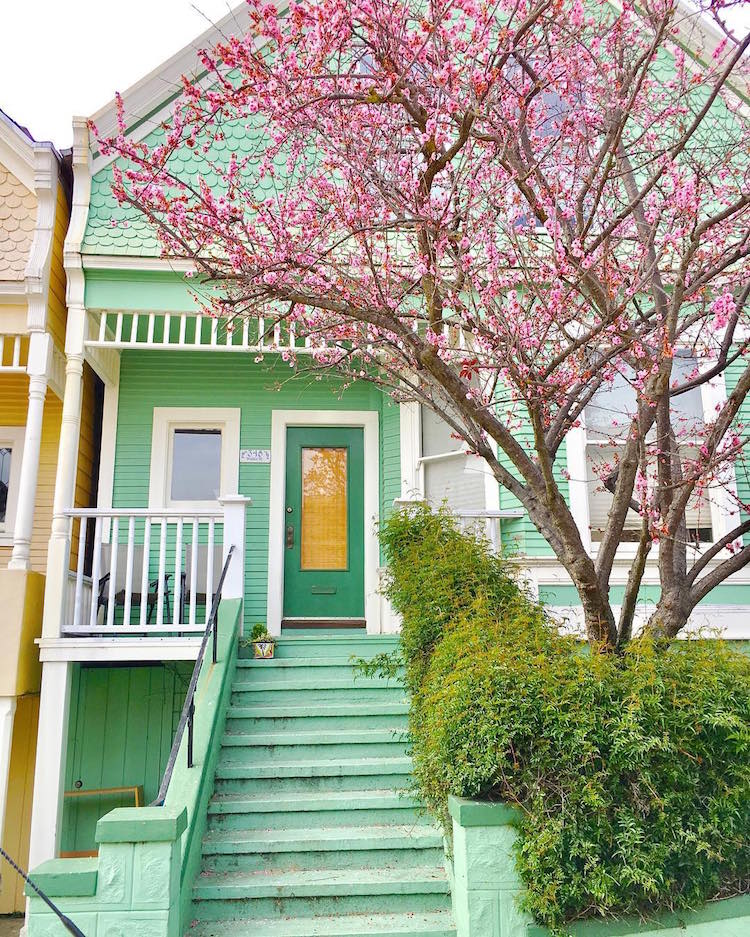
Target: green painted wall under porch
pixel 200 379
pixel 122 722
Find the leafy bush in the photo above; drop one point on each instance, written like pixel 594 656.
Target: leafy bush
pixel 631 772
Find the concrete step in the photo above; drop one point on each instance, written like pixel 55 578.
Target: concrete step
pixel 305 776
pixel 318 746
pixel 403 846
pixel 268 692
pixel 307 892
pixel 429 924
pixel 344 715
pixel 331 646
pixel 321 808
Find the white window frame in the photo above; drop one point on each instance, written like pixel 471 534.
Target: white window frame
pixel 166 421
pixel 723 519
pixel 12 437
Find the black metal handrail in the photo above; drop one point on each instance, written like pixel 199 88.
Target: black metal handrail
pixel 187 716
pixel 64 919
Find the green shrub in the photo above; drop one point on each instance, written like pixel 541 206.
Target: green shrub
pixel 631 772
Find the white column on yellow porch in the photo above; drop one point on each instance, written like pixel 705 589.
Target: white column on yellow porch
pixel 40 360
pixel 46 816
pixel 7 713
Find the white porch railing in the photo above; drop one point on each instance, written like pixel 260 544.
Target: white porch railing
pixel 14 353
pixel 194 332
pixel 486 523
pixel 140 571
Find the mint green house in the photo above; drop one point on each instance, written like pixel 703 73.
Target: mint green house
pixel 216 458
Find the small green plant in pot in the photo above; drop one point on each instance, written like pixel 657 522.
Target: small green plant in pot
pixel 263 643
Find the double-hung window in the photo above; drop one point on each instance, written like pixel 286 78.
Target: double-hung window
pixel 194 457
pixel 607 421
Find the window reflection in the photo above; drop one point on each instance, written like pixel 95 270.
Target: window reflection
pixel 196 465
pixel 324 508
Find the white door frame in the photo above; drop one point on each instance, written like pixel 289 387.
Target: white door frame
pixel 280 421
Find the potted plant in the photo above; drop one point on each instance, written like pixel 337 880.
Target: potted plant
pixel 263 643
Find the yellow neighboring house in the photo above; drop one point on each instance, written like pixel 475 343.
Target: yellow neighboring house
pixel 34 214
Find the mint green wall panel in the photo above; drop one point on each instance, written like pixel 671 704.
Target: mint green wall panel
pixel 122 722
pixel 202 379
pixel 742 470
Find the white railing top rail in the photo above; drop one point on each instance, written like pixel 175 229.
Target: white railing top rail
pixel 142 512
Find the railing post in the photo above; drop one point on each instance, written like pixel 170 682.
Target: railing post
pixel 234 507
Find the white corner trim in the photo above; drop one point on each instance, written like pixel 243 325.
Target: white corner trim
pixel 109 441
pixel 227 419
pixel 37 273
pixel 79 212
pixel 280 421
pixel 410 449
pixel 12 436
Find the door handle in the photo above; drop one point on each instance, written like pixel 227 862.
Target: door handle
pixel 290 537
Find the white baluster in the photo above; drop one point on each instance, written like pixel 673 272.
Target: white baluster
pixel 118 327
pixel 129 572
pixel 167 329
pixel 134 329
pixel 261 332
pixel 292 334
pixel 96 565
pixel 210 568
pixel 102 326
pixel 150 330
pixel 112 593
pixel 183 326
pixel 2 350
pixel 245 332
pixel 177 591
pixel 277 334
pixel 17 351
pixel 162 572
pixel 144 571
pixel 193 571
pixel 77 611
pixel 214 330
pixel 197 336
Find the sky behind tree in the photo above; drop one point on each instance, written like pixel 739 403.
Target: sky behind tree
pixel 65 59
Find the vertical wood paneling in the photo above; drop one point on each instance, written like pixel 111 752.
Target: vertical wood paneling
pixel 121 728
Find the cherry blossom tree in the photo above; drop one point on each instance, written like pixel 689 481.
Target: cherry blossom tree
pixel 511 212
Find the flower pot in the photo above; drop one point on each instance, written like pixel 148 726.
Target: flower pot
pixel 263 649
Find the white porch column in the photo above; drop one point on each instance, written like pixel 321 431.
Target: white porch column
pixel 234 507
pixel 46 817
pixel 58 554
pixel 7 712
pixel 40 358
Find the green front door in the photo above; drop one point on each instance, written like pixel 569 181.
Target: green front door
pixel 324 518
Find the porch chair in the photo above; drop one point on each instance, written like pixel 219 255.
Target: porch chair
pixel 136 598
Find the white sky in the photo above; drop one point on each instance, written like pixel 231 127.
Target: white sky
pixel 61 58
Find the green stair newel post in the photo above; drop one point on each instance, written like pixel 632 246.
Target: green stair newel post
pixel 484 881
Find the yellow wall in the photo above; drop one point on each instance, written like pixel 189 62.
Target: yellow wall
pixel 14 389
pixel 18 807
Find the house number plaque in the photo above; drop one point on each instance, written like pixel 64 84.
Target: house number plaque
pixel 255 456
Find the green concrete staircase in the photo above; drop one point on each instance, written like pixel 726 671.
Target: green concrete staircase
pixel 308 834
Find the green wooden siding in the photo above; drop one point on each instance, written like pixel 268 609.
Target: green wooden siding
pixel 154 379
pixel 122 722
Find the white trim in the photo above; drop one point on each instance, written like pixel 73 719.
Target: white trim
pixel 14 437
pixel 152 264
pixel 7 712
pixel 730 622
pixel 108 442
pixel 167 419
pixel 17 152
pixel 410 449
pixel 114 649
pixel 280 421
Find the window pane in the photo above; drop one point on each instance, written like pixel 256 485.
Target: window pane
pixel 601 460
pixel 196 465
pixel 611 409
pixel 687 408
pixel 5 455
pixel 324 509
